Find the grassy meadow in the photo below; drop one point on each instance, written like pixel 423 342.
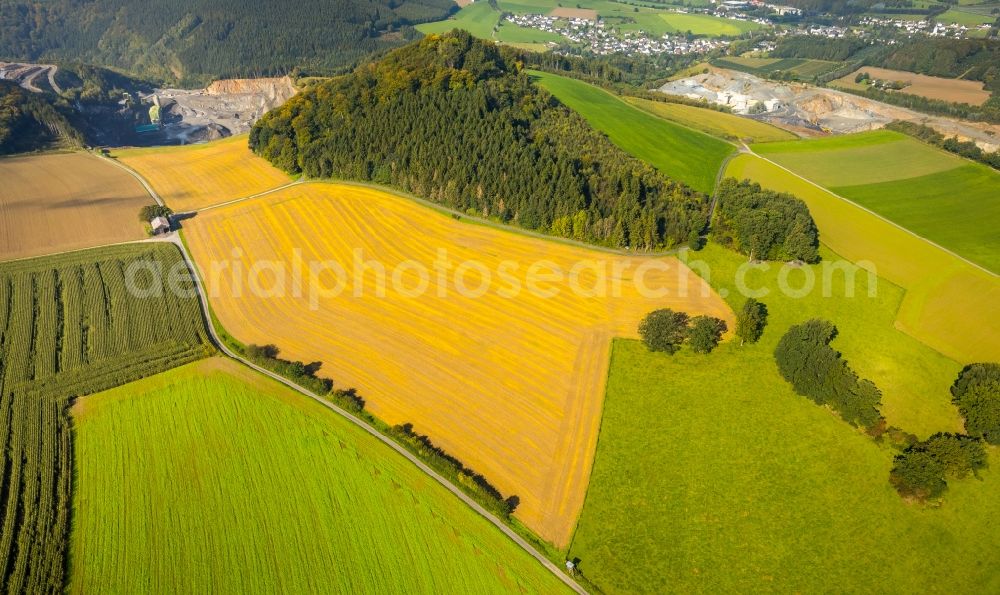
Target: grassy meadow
pixel 804 68
pixel 682 153
pixel 942 197
pixel 949 304
pixel 720 124
pixel 213 478
pixel 478 18
pixel 735 484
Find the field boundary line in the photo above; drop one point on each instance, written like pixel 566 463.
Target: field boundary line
pixel 871 212
pixel 135 175
pixel 250 197
pixel 475 506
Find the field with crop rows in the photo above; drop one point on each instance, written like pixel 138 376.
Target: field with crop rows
pixel 684 154
pixel 211 477
pixel 65 201
pixel 942 197
pixel 721 124
pixel 949 304
pixel 510 381
pixel 69 326
pixel 196 176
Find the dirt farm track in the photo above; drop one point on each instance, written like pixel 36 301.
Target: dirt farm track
pixel 65 201
pixel 510 384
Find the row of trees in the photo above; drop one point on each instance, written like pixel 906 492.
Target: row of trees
pixel 817 371
pixel 967 149
pixel 764 224
pixel 455 120
pixel 666 330
pixel 301 373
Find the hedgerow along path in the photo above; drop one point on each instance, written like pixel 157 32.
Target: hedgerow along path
pixel 68 327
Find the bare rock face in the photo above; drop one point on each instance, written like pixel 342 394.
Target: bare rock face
pixel 273 91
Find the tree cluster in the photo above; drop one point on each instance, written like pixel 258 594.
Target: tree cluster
pixel 195 40
pixel 149 212
pixel 922 471
pixel 666 330
pixel 976 393
pixel 455 120
pixel 764 224
pixel 817 371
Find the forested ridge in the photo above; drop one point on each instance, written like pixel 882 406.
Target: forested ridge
pixel 195 40
pixel 28 121
pixel 457 121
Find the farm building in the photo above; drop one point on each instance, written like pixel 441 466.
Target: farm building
pixel 160 225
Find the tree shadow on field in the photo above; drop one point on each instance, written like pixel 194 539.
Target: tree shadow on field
pixel 177 219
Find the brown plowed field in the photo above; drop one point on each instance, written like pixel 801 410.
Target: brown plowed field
pixel 66 201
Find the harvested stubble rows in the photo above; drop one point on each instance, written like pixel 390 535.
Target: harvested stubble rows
pixel 68 327
pixel 196 176
pixel 213 478
pixel 65 201
pixel 510 384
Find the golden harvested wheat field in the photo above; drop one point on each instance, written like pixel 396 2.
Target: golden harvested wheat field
pixel 510 383
pixel 196 176
pixel 66 201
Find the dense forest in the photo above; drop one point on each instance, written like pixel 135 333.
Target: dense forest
pixel 28 122
pixel 457 121
pixel 191 41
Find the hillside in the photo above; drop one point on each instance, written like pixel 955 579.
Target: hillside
pixel 455 120
pixel 29 122
pixel 195 40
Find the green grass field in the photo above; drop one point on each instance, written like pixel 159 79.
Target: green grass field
pixel 682 153
pixel 958 208
pixel 211 478
pixel 477 18
pixel 856 159
pixel 949 304
pixel 720 124
pixel 804 68
pixel 962 17
pixel 940 196
pixel 711 476
pixel 69 325
pixel 705 24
